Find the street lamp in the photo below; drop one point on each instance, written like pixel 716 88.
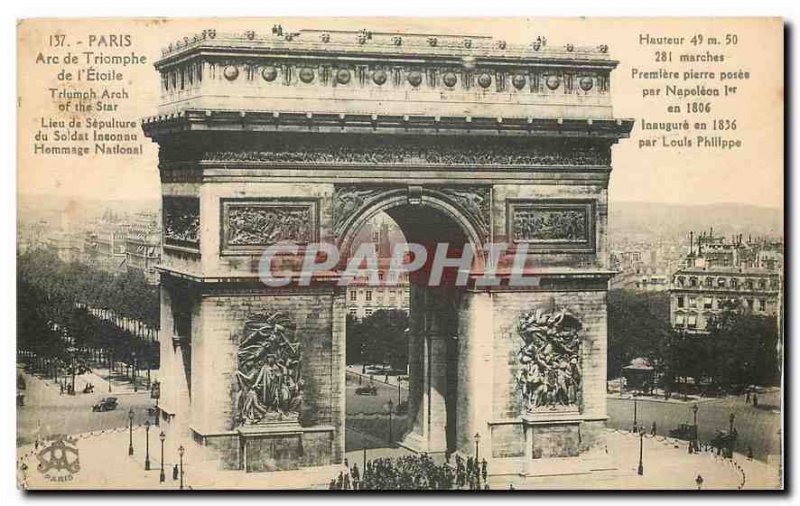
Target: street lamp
pixel 180 452
pixel 398 391
pixel 162 437
pixel 147 445
pixel 641 445
pixel 135 388
pixel 696 431
pixel 477 438
pixel 391 405
pixel 731 419
pixel 635 423
pixel 130 444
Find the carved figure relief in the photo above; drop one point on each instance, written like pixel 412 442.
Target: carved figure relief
pixel 181 221
pixel 553 224
pixel 475 201
pixel 261 223
pixel 268 386
pixel 549 359
pixel 349 199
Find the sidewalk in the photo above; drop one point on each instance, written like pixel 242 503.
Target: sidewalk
pixel 105 464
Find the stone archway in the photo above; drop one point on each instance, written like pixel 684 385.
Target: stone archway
pixel 429 218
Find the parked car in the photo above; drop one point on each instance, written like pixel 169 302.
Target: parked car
pixel 684 431
pixel 106 404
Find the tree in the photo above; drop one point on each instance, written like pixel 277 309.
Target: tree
pixel 384 336
pixel 638 326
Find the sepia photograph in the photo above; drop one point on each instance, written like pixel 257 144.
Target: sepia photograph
pixel 400 254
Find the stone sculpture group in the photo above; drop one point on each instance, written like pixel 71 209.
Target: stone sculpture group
pixel 268 385
pixel 549 372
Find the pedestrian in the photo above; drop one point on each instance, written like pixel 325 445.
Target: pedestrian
pixel 653 429
pixel 175 472
pixel 484 470
pixel 749 453
pixel 691 447
pixel 699 481
pixel 755 400
pixel 747 398
pixel 511 486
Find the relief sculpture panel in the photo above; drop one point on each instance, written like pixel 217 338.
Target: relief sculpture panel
pixel 181 220
pixel 553 226
pixel 549 374
pixel 249 226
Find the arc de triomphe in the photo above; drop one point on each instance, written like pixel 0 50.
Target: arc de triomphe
pixel 299 138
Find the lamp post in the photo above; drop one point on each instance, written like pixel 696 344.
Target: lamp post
pixel 398 391
pixel 641 445
pixel 477 438
pixel 133 367
pixel 696 431
pixel 130 425
pixel 162 437
pixel 731 418
pixel 391 406
pixel 147 445
pixel 635 414
pixel 180 452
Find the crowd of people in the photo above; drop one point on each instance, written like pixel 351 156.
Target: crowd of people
pixel 414 472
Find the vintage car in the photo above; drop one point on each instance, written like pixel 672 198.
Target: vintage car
pixel 684 431
pixel 106 404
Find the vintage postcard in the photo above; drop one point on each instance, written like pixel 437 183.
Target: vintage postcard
pixel 483 254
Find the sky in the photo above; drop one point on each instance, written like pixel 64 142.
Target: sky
pixel 751 175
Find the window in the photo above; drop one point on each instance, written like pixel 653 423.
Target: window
pixel 708 303
pixel 681 280
pixel 750 304
pixel 692 301
pixel 353 311
pixel 762 305
pixel 680 320
pixel 692 321
pixel 710 282
pixel 762 284
pixel 693 281
pixel 353 295
pixel 748 284
pixel 380 276
pixel 368 311
pixel 721 282
pixel 681 301
pixel 369 296
pixel 734 283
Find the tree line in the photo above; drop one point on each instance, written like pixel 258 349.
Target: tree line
pixel 56 332
pixel 739 349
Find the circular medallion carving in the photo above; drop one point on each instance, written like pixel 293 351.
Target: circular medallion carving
pixel 379 77
pixel 518 81
pixel 306 75
pixel 586 83
pixel 485 80
pixel 343 76
pixel 230 72
pixel 414 78
pixel 269 73
pixel 553 82
pixel 449 79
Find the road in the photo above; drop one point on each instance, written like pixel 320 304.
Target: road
pixel 758 428
pixel 47 412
